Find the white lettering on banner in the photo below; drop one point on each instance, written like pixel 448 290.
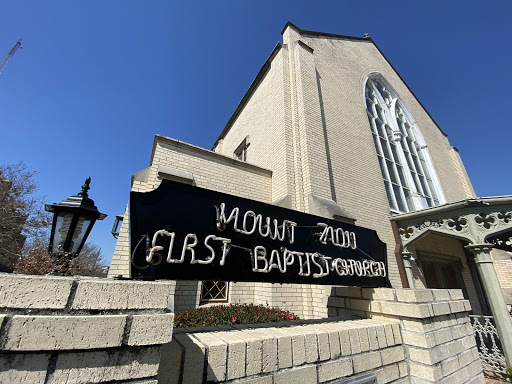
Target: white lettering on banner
pixel 259 254
pixel 287 229
pixel 225 250
pixel 155 248
pixel 188 246
pixel 313 264
pixel 323 265
pixel 350 267
pixel 338 237
pixel 302 264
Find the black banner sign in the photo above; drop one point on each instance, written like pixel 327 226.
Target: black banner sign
pixel 182 232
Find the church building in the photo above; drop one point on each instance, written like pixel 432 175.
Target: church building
pixel 329 128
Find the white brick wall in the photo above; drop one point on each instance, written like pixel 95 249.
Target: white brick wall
pixel 306 122
pixel 503 267
pixel 209 169
pixel 326 94
pixel 327 130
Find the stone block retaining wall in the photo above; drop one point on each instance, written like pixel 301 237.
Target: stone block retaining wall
pixel 293 352
pixel 89 330
pixel 82 330
pixel 438 339
pixel 401 336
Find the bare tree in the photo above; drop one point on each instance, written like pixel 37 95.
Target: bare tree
pixel 90 262
pixel 25 227
pixel 36 260
pixel 22 213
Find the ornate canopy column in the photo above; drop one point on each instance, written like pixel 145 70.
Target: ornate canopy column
pixel 407 257
pixel 489 279
pixel 483 224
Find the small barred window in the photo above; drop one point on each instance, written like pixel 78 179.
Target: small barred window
pixel 214 291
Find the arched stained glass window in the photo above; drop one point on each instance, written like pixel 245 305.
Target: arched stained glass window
pixel 408 173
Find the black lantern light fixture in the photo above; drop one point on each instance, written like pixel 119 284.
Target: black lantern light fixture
pixel 73 220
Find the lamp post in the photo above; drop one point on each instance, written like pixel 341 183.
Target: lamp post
pixel 73 220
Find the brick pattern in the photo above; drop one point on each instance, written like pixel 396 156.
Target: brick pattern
pixel 187 294
pixel 300 352
pixel 82 330
pixel 264 120
pixel 435 329
pixel 209 169
pixel 34 292
pixel 321 127
pixel 120 264
pixel 503 265
pixel 306 122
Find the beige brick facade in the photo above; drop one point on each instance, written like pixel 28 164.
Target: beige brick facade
pixel 503 265
pixel 305 123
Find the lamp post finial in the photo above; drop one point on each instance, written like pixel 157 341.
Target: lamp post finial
pixel 85 187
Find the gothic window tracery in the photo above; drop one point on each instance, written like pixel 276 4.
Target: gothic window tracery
pixel 409 176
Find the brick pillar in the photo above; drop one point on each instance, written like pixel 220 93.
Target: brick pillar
pixel 437 335
pixel 82 330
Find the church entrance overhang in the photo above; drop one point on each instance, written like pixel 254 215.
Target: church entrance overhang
pixel 477 221
pixel 482 224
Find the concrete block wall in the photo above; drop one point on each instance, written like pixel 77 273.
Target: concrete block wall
pixel 438 339
pixel 298 352
pixel 82 330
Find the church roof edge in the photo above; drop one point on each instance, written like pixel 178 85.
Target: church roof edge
pixel 276 49
pixel 366 39
pixel 249 93
pixel 323 34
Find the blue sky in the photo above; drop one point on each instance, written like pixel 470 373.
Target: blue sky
pixel 96 80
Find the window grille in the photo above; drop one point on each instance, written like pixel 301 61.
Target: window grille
pixel 409 176
pixel 214 291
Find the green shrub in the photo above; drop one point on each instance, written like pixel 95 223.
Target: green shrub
pixel 509 374
pixel 230 314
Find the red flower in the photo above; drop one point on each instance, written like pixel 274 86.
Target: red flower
pixel 257 312
pixel 179 315
pixel 233 319
pixel 290 316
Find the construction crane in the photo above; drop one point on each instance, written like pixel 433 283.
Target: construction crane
pixel 4 62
